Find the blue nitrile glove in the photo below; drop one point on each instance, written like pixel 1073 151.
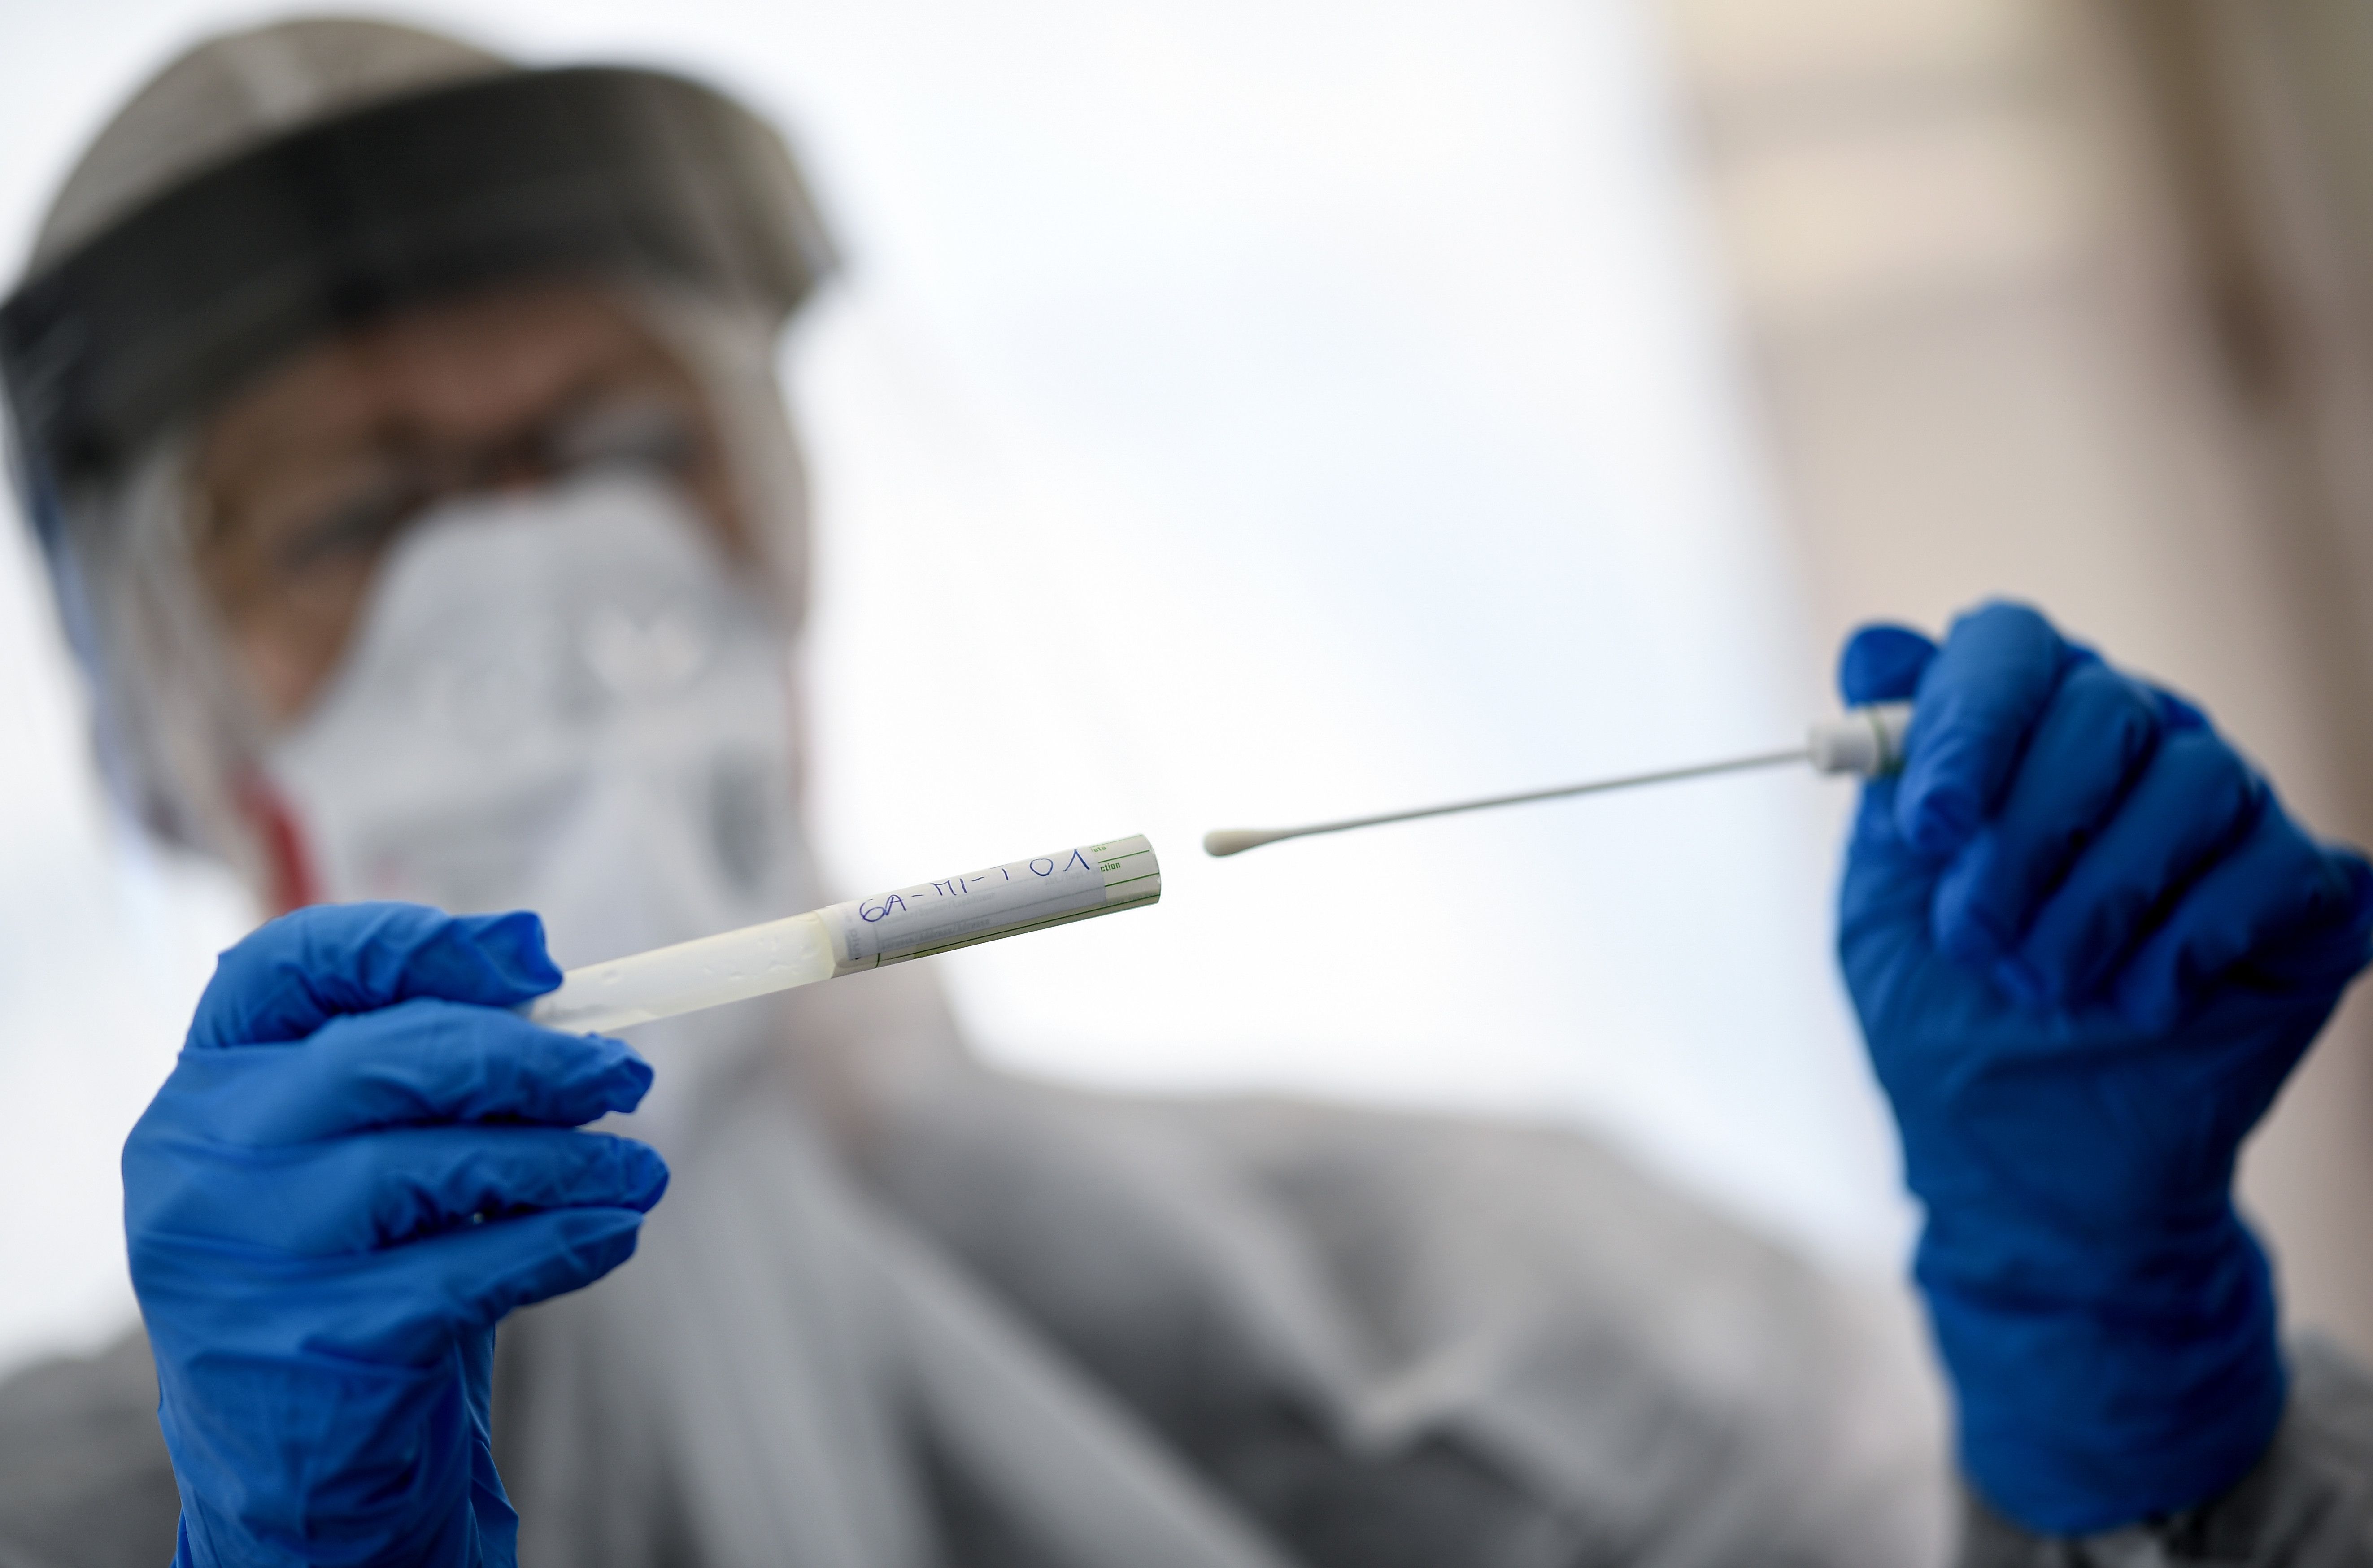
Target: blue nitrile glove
pixel 2086 945
pixel 362 1160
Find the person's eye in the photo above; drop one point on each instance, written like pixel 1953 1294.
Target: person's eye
pixel 355 527
pixel 636 431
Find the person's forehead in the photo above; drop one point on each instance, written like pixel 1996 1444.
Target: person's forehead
pixel 522 325
pixel 478 354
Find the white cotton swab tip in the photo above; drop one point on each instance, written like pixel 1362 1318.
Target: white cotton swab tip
pixel 1236 840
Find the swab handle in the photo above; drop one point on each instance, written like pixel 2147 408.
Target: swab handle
pixel 1867 741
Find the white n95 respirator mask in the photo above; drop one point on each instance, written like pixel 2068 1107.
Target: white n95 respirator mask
pixel 559 701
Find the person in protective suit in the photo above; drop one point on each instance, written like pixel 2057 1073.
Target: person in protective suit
pixel 401 431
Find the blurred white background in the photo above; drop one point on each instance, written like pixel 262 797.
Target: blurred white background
pixel 1231 413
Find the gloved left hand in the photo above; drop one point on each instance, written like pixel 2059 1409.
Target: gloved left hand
pixel 2086 945
pixel 362 1160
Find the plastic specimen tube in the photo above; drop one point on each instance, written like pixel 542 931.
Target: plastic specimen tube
pixel 1055 889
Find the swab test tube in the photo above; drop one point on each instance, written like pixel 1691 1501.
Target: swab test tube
pixel 1078 884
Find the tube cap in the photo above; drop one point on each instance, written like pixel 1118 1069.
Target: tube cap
pixel 1054 889
pixel 1867 741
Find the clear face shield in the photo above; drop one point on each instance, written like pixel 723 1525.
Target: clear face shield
pixel 542 622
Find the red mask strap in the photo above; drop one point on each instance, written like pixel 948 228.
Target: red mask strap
pixel 292 884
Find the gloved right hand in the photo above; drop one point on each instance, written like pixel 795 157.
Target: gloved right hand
pixel 362 1160
pixel 2086 945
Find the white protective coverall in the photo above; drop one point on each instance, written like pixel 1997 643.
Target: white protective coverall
pixel 899 1309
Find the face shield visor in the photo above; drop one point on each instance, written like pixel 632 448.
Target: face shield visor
pixel 115 352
